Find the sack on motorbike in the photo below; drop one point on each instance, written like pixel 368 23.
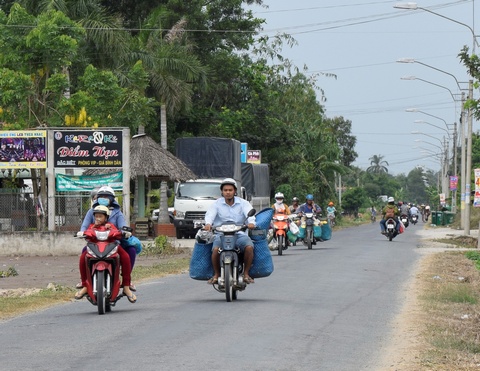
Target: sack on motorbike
pixel 291 236
pixel 263 218
pixel 134 241
pixel 201 267
pixel 401 228
pixel 262 265
pixel 326 232
pixel 317 231
pixel 294 228
pixel 301 232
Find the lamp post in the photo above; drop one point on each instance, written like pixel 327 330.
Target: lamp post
pixel 435 126
pixel 468 170
pixel 428 82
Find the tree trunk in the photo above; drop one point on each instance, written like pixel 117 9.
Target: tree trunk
pixel 163 208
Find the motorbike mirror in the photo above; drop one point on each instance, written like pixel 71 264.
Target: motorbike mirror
pixel 252 212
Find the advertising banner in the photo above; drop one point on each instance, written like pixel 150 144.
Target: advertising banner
pixel 453 182
pixel 87 148
pixel 254 156
pixel 476 198
pixel 23 149
pixel 72 183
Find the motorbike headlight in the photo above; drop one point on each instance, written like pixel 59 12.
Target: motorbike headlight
pixel 90 251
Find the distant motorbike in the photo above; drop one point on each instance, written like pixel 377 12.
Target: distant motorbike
pixel 103 267
pixel 414 219
pixel 280 223
pixel 391 228
pixel 331 220
pixel 308 223
pixel 231 261
pixel 404 220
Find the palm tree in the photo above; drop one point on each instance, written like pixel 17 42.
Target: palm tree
pixel 377 165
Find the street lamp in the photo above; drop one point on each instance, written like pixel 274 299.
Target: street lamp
pixel 428 82
pixel 435 126
pixel 425 113
pixel 466 213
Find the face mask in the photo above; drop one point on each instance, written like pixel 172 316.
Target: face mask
pixel 103 201
pixel 279 202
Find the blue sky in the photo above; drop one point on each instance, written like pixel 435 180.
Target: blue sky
pixel 360 42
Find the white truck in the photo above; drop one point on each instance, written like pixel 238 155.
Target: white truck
pixel 212 160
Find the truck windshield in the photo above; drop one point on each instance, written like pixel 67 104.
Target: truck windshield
pixel 199 190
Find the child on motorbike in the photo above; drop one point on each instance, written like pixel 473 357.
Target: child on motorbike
pixel 101 215
pixel 106 197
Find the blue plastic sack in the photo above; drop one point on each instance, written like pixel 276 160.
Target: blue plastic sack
pixel 301 233
pixel 201 267
pixel 291 237
pixel 317 231
pixel 326 232
pixel 263 218
pixel 132 241
pixel 262 265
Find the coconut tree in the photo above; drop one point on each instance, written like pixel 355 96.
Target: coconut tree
pixel 377 165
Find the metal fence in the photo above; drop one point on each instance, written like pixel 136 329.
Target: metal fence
pixel 19 210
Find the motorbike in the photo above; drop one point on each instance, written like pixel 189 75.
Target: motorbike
pixel 231 261
pixel 308 223
pixel 103 267
pixel 390 228
pixel 414 219
pixel 331 220
pixel 280 223
pixel 404 219
pixel 373 217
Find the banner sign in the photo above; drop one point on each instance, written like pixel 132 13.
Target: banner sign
pixel 453 182
pixel 23 149
pixel 476 198
pixel 72 183
pixel 87 148
pixel 254 156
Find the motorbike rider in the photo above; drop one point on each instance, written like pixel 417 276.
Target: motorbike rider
pixel 101 215
pixel 294 206
pixel 233 209
pixel 279 206
pixel 331 210
pixel 404 209
pixel 105 196
pixel 309 206
pixel 414 211
pixel 386 212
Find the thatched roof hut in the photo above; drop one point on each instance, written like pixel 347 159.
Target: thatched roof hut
pixel 149 159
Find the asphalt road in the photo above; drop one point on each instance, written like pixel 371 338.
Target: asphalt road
pixel 329 308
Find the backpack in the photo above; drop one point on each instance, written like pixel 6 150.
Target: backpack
pixel 390 212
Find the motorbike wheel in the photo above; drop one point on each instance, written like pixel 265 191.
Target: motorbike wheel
pixel 280 243
pixel 309 239
pixel 228 282
pixel 101 292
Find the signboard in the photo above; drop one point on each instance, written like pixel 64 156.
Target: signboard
pixel 23 149
pixel 442 199
pixel 87 148
pixel 254 156
pixel 476 197
pixel 75 183
pixel 453 182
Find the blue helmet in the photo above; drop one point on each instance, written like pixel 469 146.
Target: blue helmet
pixel 309 197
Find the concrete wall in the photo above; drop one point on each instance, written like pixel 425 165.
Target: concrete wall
pixel 40 243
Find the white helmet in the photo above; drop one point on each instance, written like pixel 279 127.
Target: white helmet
pixel 228 181
pixel 101 210
pixel 279 195
pixel 391 199
pixel 106 191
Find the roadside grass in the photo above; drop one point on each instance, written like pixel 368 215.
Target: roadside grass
pixel 450 299
pixel 22 301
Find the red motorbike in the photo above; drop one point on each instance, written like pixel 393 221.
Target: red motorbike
pixel 280 223
pixel 103 267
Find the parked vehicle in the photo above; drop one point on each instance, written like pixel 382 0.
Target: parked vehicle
pixel 404 220
pixel 155 213
pixel 103 266
pixel 231 261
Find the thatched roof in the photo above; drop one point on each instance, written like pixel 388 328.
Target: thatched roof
pixel 148 158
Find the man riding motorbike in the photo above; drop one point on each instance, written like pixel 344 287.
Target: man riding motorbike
pixel 309 206
pixel 294 206
pixel 390 211
pixel 230 208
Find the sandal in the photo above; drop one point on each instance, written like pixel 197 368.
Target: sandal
pixel 81 294
pixel 248 279
pixel 213 281
pixel 79 286
pixel 132 298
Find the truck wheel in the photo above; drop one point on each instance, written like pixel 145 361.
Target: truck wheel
pixel 178 233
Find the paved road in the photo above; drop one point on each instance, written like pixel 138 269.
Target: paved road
pixel 329 308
